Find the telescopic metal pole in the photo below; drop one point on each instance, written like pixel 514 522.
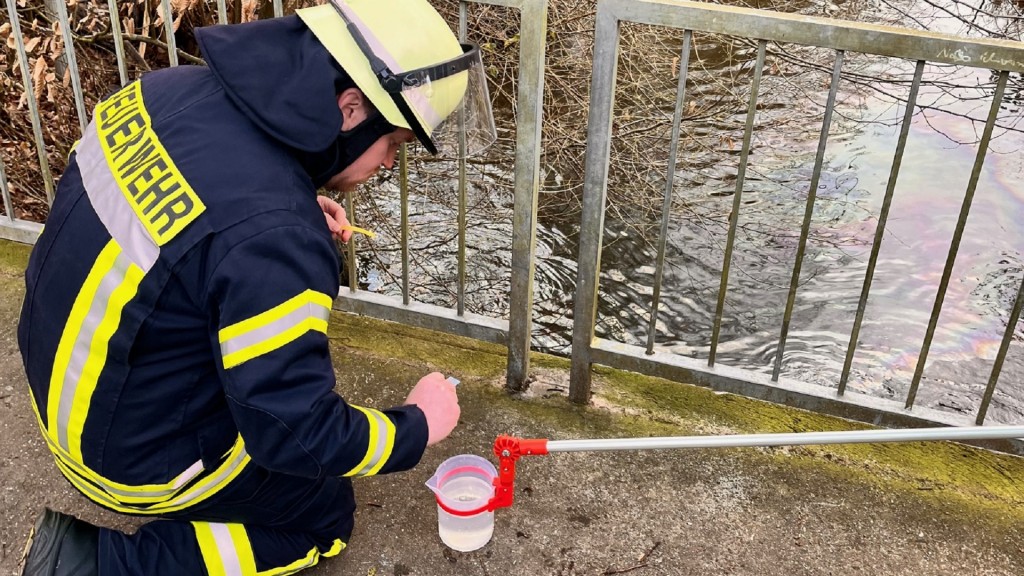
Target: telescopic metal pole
pixel 790 439
pixel 509 449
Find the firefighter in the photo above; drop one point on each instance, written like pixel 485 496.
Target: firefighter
pixel 174 325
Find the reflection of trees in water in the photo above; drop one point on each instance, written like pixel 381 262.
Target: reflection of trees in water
pixel 791 104
pixel 433 235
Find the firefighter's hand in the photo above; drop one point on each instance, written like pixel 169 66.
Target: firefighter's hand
pixel 436 397
pixel 335 215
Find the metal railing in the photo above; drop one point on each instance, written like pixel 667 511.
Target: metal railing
pixel 763 27
pixel 514 333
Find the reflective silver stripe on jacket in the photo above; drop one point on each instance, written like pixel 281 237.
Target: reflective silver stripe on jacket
pixel 83 343
pixel 279 326
pixel 380 447
pixel 110 204
pixel 381 441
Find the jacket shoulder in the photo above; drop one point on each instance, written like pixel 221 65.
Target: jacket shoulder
pixel 235 168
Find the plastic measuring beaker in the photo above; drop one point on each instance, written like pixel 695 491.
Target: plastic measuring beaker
pixel 464 486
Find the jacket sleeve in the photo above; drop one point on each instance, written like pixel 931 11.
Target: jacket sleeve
pixel 271 296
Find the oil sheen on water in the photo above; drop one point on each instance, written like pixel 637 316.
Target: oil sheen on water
pixel 466 533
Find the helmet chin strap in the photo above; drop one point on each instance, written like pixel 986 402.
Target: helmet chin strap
pixel 346 149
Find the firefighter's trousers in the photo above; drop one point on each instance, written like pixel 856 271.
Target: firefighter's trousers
pixel 263 523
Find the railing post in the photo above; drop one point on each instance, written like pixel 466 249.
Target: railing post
pixel 30 96
pixel 527 168
pixel 68 61
pixel 595 190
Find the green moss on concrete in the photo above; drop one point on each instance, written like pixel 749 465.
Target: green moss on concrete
pixel 704 407
pixel 14 256
pixel 981 484
pixel 454 354
pixel 538 360
pixel 935 477
pixel 986 482
pixel 13 261
pixel 979 479
pixel 977 490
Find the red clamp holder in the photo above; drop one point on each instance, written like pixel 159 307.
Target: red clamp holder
pixel 508 449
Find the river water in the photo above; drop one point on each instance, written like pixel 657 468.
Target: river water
pixel 941 150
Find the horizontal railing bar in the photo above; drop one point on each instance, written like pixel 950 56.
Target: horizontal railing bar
pixel 428 316
pixel 823 32
pixel 20 230
pixel 852 405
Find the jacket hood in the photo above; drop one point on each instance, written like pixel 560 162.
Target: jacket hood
pixel 281 77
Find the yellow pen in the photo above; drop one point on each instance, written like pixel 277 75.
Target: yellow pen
pixel 359 230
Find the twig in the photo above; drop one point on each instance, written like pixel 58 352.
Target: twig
pixel 136 57
pixel 624 570
pixel 649 552
pixel 181 53
pixel 93 38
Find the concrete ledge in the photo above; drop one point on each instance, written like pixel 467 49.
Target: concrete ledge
pixel 915 509
pixel 21 231
pixel 851 405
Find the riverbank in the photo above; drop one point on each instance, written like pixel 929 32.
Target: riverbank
pixel 909 509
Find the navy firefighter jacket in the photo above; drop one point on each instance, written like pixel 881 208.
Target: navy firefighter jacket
pixel 174 330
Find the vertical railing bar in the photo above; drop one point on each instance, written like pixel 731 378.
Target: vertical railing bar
pixel 69 52
pixel 222 11
pixel 595 193
pixel 997 367
pixel 8 205
pixel 30 96
pixel 403 184
pixel 819 159
pixel 666 207
pixel 883 217
pixel 278 9
pixel 736 201
pixel 965 210
pixel 533 19
pixel 115 28
pixel 350 212
pixel 461 297
pixel 172 47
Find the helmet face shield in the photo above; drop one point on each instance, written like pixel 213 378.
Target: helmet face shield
pixel 469 129
pixel 444 101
